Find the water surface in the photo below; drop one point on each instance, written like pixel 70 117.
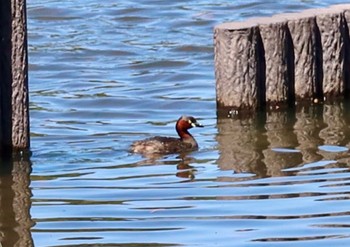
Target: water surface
pixel 106 73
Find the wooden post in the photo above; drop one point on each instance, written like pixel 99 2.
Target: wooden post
pixel 14 109
pixel 307 56
pixel 346 11
pixel 237 49
pixel 279 59
pixel 331 24
pixel 283 59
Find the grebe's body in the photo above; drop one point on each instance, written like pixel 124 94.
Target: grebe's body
pixel 167 145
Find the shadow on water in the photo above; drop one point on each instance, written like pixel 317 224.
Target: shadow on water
pixel 15 202
pixel 268 143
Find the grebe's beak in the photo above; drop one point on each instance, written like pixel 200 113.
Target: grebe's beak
pixel 196 125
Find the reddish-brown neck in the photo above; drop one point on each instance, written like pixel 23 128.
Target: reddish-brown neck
pixel 183 133
pixel 182 129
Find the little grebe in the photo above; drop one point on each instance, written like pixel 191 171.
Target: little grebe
pixel 167 145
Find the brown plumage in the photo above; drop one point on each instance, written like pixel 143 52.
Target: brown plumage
pixel 167 145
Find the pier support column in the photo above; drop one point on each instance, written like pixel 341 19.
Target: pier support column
pixel 331 25
pixel 286 58
pixel 307 57
pixel 279 60
pixel 239 69
pixel 14 107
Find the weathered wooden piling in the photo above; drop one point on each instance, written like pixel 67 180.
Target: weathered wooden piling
pixel 238 42
pixel 286 58
pixel 307 55
pixel 14 109
pixel 278 49
pixel 331 24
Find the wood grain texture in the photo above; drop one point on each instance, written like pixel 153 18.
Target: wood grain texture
pixel 332 31
pixel 14 109
pixel 279 62
pixel 283 59
pixel 20 94
pixel 307 55
pixel 347 53
pixel 237 67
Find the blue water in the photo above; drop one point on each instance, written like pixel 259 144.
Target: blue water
pixel 106 73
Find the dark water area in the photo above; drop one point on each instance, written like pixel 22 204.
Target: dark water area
pixel 106 73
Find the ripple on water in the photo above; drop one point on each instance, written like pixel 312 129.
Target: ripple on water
pixel 106 73
pixel 331 148
pixel 131 200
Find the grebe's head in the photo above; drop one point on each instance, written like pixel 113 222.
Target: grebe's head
pixel 187 122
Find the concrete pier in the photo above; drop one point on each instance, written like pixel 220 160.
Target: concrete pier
pixel 284 59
